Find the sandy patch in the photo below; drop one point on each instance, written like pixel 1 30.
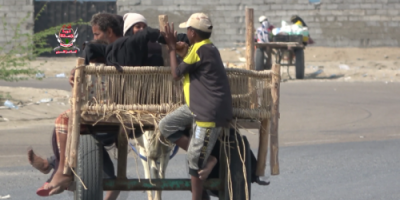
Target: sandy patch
pixel 322 64
pixel 340 64
pixel 33 105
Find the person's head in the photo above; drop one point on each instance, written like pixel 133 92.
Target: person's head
pixel 133 23
pixel 106 27
pixel 94 58
pixel 262 19
pixel 294 18
pixel 120 20
pixel 199 27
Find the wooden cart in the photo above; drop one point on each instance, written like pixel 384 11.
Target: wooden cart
pixel 289 50
pixel 255 105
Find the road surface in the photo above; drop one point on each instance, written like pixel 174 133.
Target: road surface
pixel 338 141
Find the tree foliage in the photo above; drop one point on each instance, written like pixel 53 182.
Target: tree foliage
pixel 23 47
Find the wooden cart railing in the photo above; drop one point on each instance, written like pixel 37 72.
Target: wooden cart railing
pixel 255 97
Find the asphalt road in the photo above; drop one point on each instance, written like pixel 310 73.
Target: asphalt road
pixel 338 141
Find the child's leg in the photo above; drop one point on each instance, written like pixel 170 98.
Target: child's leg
pixel 173 125
pixel 202 143
pixel 211 162
pixel 197 188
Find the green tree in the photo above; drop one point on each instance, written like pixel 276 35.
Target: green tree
pixel 22 48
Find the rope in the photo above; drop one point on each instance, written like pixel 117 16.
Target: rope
pixel 80 180
pixel 143 95
pixel 102 69
pixel 242 158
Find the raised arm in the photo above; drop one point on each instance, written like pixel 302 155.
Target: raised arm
pixel 170 39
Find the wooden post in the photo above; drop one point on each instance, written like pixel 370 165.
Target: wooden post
pixel 122 154
pixel 263 147
pixel 250 54
pixel 276 79
pixel 250 39
pixel 67 170
pixel 162 20
pixel 76 112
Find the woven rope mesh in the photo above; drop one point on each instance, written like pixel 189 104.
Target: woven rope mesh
pixel 153 91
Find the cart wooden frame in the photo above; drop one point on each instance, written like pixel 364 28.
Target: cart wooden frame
pixel 77 150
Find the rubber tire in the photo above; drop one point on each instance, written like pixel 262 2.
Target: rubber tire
pixel 260 63
pixel 299 53
pixel 89 169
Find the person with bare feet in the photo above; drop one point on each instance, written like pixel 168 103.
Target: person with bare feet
pixel 207 96
pixel 106 27
pixel 43 165
pixel 133 45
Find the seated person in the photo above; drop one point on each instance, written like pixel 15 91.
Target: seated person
pixel 125 51
pixel 106 27
pixel 45 165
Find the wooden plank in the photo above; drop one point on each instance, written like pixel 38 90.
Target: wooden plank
pixel 67 170
pixel 148 121
pixel 157 184
pixel 162 20
pixel 76 112
pixel 276 68
pixel 263 147
pixel 250 39
pixel 122 154
pixel 250 63
pixel 280 45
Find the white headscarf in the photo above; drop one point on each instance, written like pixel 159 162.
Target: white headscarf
pixel 131 19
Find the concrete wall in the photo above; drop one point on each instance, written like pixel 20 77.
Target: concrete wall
pixel 336 23
pixel 12 12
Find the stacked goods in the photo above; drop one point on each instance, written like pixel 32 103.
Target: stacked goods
pixel 290 33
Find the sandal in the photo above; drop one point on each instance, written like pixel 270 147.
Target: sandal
pixel 43 192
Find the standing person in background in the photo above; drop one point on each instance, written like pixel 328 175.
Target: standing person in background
pixel 264 30
pixel 263 33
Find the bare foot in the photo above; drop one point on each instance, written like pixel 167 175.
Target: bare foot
pixel 56 190
pixel 58 183
pixel 211 162
pixel 38 162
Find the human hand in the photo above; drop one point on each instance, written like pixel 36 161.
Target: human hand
pixel 170 36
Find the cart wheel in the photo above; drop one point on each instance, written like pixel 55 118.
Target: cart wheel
pixel 260 64
pixel 299 63
pixel 89 169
